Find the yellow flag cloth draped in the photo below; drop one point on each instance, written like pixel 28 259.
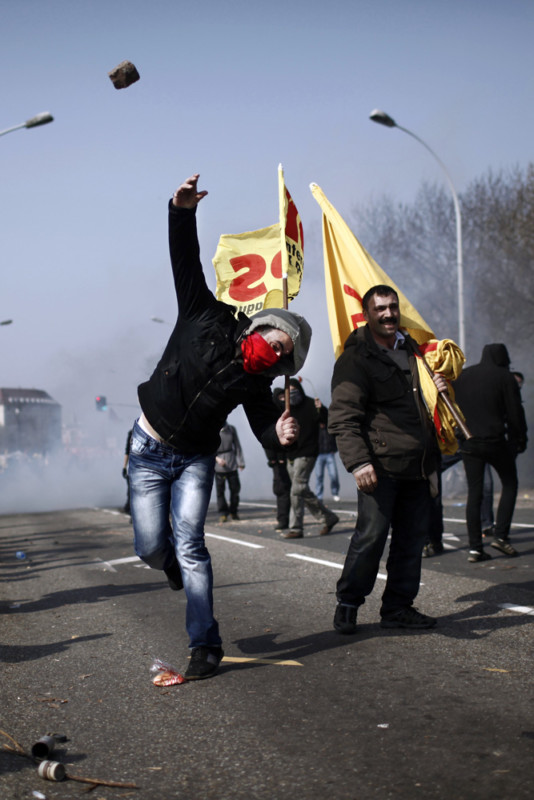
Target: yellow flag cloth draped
pixel 445 357
pixel 249 266
pixel 349 272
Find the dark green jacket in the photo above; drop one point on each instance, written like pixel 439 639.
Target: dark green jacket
pixel 377 415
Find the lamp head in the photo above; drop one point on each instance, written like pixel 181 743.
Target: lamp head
pixel 40 119
pixel 382 118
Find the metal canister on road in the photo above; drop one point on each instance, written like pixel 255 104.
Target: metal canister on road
pixel 51 770
pixel 44 747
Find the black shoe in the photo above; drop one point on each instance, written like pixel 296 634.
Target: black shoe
pixel 345 619
pixel 235 516
pixel 292 533
pixel 504 546
pixel 204 663
pixel 174 577
pixel 432 549
pixel 328 527
pixel 478 555
pixel 407 617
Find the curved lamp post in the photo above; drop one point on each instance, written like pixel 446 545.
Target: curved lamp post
pixel 40 119
pixel 384 119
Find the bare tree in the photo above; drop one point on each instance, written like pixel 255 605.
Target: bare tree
pixel 416 245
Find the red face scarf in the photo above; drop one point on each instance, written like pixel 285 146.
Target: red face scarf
pixel 258 355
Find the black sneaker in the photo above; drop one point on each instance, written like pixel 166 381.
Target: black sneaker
pixel 327 527
pixel 478 555
pixel 235 516
pixel 504 546
pixel 204 662
pixel 408 617
pixel 345 619
pixel 174 577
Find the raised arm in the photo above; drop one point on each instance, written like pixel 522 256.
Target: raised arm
pixel 191 289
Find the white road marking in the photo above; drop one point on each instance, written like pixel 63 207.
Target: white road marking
pixel 514 524
pixel 126 560
pixel 325 563
pixel 236 541
pixel 271 505
pixel 519 609
pixel 315 560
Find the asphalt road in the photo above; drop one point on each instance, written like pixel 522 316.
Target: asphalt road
pixel 296 710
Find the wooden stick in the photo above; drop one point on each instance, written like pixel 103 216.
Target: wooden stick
pixel 286 305
pixel 97 782
pixel 18 747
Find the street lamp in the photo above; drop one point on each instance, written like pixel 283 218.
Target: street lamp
pixel 40 119
pixel 384 119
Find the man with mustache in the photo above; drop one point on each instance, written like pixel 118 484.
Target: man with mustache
pixel 386 439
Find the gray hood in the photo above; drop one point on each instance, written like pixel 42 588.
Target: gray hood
pixel 292 324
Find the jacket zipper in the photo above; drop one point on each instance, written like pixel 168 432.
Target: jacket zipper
pixel 201 391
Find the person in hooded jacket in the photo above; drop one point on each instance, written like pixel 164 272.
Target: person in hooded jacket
pixel 490 399
pixel 228 460
pixel 213 362
pixel 301 461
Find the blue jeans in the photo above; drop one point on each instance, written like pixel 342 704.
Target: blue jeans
pixel 327 460
pixel 405 506
pixel 163 482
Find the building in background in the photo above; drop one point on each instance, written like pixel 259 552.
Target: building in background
pixel 30 422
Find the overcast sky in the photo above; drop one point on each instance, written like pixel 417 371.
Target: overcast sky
pixel 228 88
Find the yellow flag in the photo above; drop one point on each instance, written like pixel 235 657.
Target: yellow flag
pixel 349 272
pixel 445 357
pixel 250 266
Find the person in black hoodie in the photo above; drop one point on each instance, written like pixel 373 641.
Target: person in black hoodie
pixel 490 399
pixel 301 461
pixel 213 362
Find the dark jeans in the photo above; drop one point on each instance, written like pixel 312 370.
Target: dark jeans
pixel 501 456
pixel 282 492
pixel 234 485
pixel 487 518
pixel 405 506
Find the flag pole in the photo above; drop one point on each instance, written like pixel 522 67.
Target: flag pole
pixel 466 433
pixel 284 261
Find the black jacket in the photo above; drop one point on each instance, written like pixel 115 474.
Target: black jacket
pixel 200 378
pixel 308 418
pixel 490 399
pixel 377 416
